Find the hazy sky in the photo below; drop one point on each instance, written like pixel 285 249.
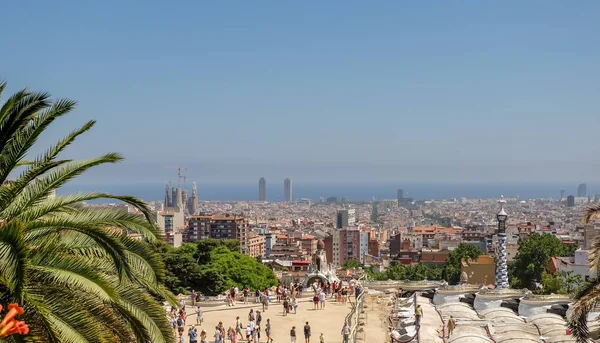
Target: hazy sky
pixel 319 91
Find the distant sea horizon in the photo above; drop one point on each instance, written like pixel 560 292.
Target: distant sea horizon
pixel 357 191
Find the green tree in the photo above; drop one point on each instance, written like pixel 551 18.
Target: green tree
pixel 241 270
pixel 205 246
pixel 452 270
pixel 351 264
pixel 182 272
pixel 73 268
pixel 211 267
pixel 533 256
pixel 552 283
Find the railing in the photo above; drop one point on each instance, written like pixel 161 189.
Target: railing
pixel 353 317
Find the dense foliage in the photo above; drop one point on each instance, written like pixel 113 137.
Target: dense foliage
pixel 77 274
pixel 558 284
pixel 351 264
pixel 452 268
pixel 212 266
pixel 533 256
pixel 416 272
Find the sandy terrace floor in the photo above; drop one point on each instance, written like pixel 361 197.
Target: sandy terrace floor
pixel 376 313
pixel 431 323
pixel 328 321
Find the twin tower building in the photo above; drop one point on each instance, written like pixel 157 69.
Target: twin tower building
pixel 262 189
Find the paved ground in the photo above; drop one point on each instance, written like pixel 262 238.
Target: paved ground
pixel 329 321
pixel 431 323
pixel 376 314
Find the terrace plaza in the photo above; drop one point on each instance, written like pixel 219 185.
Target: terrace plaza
pixel 329 321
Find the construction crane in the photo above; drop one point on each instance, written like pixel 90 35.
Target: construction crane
pixel 179 173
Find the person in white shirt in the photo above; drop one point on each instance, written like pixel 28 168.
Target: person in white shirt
pixel 217 334
pixel 345 332
pixel 249 332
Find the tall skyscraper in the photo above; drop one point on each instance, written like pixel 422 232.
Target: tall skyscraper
pixel 345 218
pixel 167 195
pixel 400 195
pixel 178 199
pixel 173 197
pixel 193 201
pixel 374 213
pixel 184 200
pixel 562 194
pixel 570 201
pixel 287 189
pixel 582 190
pixel 262 189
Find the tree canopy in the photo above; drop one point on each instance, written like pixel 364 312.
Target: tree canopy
pixel 351 264
pixel 452 269
pixel 533 256
pixel 212 266
pixel 397 271
pixel 74 270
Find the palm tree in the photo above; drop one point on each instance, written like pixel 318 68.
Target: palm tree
pixel 588 299
pixel 73 268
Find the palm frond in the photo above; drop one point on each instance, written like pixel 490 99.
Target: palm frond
pixel 40 188
pixel 20 127
pixel 72 273
pixel 73 268
pixel 13 257
pixel 62 203
pixel 47 161
pixel 586 300
pixel 591 212
pixel 146 310
pixel 102 238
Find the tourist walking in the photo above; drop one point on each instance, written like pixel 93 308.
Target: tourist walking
pixel 307 333
pixel 203 336
pixel 345 333
pixel 231 297
pixel 451 325
pixel 322 299
pixel 245 294
pixel 321 338
pixel 256 334
pixel 251 315
pixel 249 333
pixel 193 334
pixel 286 307
pixel 295 305
pixel 238 326
pixel 418 315
pixel 264 300
pixel 180 325
pixel 258 318
pixel 232 335
pixel 268 331
pixel 293 334
pixel 193 297
pixel 217 334
pixel 199 315
pixel 257 295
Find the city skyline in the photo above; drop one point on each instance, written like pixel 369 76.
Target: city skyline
pixel 453 92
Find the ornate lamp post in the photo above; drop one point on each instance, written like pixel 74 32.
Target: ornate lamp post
pixel 501 269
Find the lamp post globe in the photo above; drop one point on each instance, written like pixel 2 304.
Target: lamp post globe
pixel 502 216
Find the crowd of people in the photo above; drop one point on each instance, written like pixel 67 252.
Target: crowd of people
pixel 255 328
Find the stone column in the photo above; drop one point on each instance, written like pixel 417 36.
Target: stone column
pixel 501 269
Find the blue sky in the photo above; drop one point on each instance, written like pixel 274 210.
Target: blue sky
pixel 451 91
